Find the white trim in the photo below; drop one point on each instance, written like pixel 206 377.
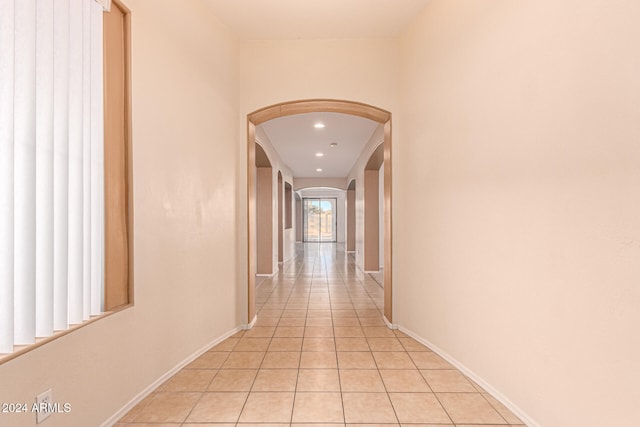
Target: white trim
pixel 371 271
pixel 389 324
pixel 250 325
pixel 151 387
pixel 267 275
pixel 106 4
pixel 261 142
pixel 526 419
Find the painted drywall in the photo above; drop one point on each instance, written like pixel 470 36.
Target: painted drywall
pixel 184 80
pixel 298 216
pixel 371 220
pixel 517 203
pixel 364 70
pixel 302 183
pixel 277 164
pixel 357 173
pixel 351 220
pixel 381 217
pixel 264 221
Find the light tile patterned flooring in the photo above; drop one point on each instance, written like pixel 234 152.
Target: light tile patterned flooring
pixel 319 354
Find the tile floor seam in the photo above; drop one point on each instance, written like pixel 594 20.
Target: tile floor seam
pixel 194 406
pixel 335 348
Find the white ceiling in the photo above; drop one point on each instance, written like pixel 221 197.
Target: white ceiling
pixel 315 19
pixel 297 141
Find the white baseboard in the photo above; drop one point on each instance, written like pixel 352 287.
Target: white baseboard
pixel 389 324
pixel 267 275
pixel 526 419
pixel 147 391
pixel 250 325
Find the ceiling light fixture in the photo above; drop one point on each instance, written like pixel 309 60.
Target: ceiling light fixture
pixel 319 154
pixel 318 170
pixel 333 145
pixel 319 125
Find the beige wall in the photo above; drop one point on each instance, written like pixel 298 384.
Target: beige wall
pixel 381 217
pixel 287 176
pixel 358 173
pixel 298 217
pixel 184 146
pixel 371 220
pixel 302 183
pixel 264 221
pixel 517 205
pixel 351 220
pixel 364 70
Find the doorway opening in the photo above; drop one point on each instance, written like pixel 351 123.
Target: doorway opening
pixel 309 106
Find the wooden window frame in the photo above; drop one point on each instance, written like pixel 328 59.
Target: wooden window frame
pixel 118 282
pixel 118 165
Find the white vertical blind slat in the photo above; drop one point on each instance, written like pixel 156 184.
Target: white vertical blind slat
pixel 24 172
pixel 86 159
pixel 76 131
pixel 51 167
pixel 61 164
pixel 6 175
pixel 44 168
pixel 97 161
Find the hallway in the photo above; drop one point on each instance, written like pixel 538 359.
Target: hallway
pixel 319 353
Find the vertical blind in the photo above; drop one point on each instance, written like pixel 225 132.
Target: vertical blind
pixel 51 167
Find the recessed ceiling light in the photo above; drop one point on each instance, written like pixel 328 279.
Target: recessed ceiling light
pixel 319 125
pixel 318 170
pixel 333 145
pixel 319 154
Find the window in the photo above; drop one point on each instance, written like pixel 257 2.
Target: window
pixel 56 112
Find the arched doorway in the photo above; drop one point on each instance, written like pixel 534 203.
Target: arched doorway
pixel 307 106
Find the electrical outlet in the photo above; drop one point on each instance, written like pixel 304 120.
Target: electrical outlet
pixel 44 405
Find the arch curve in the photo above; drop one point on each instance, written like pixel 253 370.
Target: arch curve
pixel 319 106
pixel 324 187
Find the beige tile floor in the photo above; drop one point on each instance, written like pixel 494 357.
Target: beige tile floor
pixel 319 354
